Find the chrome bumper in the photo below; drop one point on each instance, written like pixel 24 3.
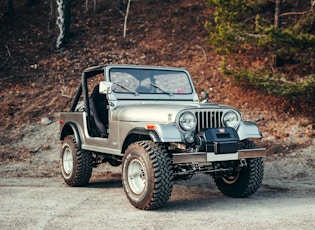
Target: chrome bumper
pixel 204 157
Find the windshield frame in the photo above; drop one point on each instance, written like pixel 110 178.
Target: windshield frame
pixel 158 90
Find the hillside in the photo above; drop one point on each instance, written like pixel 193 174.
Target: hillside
pixel 168 33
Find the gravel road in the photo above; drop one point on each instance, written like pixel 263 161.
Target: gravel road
pixel 34 196
pixel 283 202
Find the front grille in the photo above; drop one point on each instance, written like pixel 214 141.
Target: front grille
pixel 208 119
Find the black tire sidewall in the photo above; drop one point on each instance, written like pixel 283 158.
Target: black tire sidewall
pixel 68 143
pixel 238 185
pixel 249 178
pixel 140 154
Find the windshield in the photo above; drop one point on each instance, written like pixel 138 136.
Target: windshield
pixel 149 81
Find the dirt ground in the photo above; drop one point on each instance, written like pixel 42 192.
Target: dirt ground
pixel 34 196
pixel 47 203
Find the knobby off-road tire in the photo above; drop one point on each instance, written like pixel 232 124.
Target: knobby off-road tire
pixel 147 175
pixel 245 182
pixel 75 163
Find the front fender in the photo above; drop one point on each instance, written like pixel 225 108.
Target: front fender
pixel 168 133
pixel 160 133
pixel 248 129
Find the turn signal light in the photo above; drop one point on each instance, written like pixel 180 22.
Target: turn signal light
pixel 150 127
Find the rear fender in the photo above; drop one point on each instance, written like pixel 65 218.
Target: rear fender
pixel 71 128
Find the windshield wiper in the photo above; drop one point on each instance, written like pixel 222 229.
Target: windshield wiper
pixel 164 91
pixel 126 88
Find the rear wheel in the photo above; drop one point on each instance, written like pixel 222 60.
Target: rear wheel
pixel 147 175
pixel 75 163
pixel 244 181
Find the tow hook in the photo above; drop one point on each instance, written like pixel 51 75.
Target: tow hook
pixel 196 166
pixel 243 163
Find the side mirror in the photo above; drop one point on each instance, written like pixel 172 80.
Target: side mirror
pixel 106 87
pixel 204 97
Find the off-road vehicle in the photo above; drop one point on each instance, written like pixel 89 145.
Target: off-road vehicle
pixel 149 120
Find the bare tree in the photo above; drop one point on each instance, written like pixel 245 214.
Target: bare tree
pixel 279 15
pixel 63 15
pixel 277 21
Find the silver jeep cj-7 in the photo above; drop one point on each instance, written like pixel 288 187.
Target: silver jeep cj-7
pixel 149 120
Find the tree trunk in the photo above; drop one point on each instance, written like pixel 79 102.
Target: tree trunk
pixel 62 25
pixel 277 22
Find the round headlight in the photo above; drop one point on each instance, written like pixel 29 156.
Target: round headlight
pixel 187 121
pixel 231 119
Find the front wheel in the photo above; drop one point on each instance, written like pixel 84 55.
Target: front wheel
pixel 244 181
pixel 147 175
pixel 75 163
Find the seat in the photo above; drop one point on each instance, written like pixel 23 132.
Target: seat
pixel 98 106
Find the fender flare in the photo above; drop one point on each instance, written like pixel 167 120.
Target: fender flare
pixel 162 134
pixel 142 131
pixel 248 129
pixel 71 128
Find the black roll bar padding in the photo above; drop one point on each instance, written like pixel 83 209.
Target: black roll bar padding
pixel 85 93
pixel 76 98
pixel 88 73
pixel 83 89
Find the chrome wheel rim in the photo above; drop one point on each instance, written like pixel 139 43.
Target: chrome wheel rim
pixel 136 176
pixel 67 160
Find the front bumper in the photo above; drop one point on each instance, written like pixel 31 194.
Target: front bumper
pixel 208 157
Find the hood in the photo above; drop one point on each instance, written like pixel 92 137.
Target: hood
pixel 157 113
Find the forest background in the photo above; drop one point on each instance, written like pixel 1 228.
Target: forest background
pixel 255 55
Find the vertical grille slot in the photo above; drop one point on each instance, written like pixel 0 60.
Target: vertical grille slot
pixel 208 119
